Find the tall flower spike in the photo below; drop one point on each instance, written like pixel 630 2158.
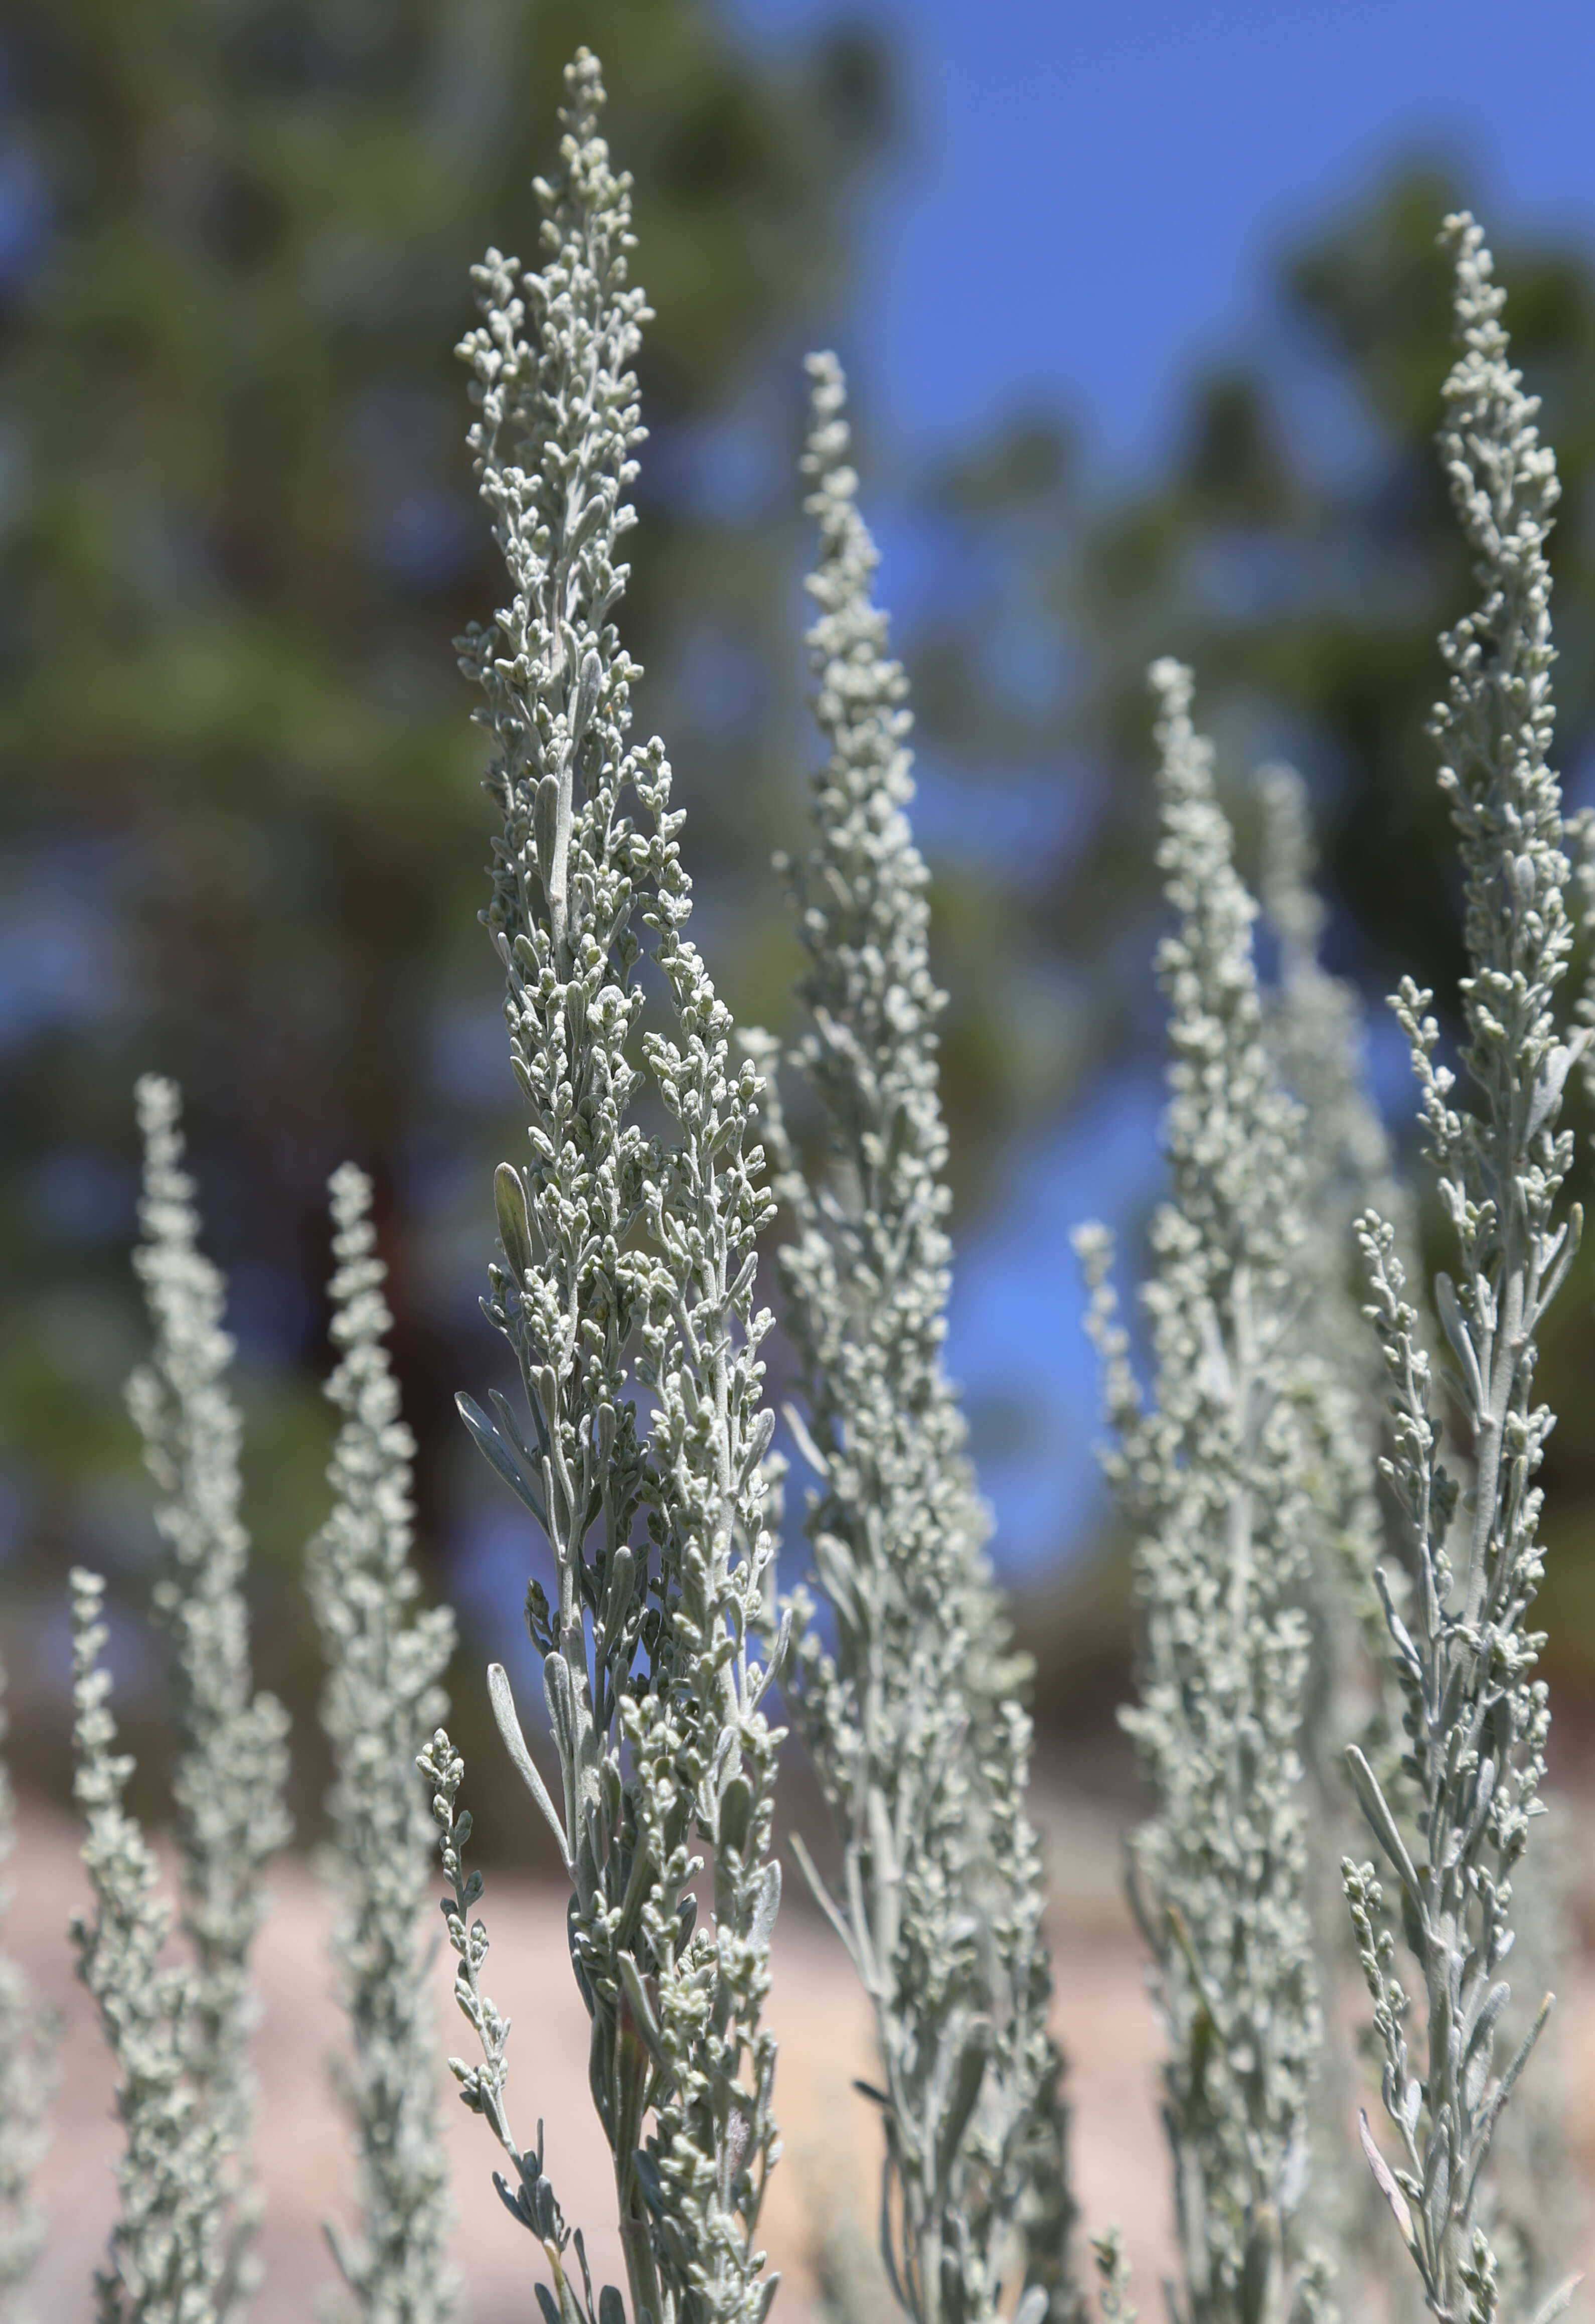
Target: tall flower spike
pixel 1476 1718
pixel 167 2257
pixel 624 1260
pixel 382 1701
pixel 1313 1022
pixel 1314 1031
pixel 231 1763
pixel 920 1750
pixel 1213 1475
pixel 27 2083
pixel 1315 1035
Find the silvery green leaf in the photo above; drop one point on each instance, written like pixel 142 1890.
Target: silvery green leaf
pixel 822 1896
pixel 545 829
pixel 559 1695
pixel 1259 2275
pixel 961 2068
pixel 642 2009
pixel 1383 2178
pixel 805 1443
pixel 1460 1338
pixel 500 1457
pixel 587 685
pixel 1481 2030
pixel 652 2185
pixel 509 1727
pixel 736 1806
pixel 1383 1824
pixel 1437 2180
pixel 514 1223
pixel 1558 2302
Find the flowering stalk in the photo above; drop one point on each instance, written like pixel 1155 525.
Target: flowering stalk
pixel 382 1701
pixel 1314 1026
pixel 1313 1022
pixel 27 2083
pixel 1214 1475
pixel 1476 1718
pixel 233 1759
pixel 624 1260
pixel 920 1749
pixel 168 2254
pixel 1315 1040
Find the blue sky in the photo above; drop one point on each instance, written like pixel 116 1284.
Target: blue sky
pixel 1081 207
pixel 1084 197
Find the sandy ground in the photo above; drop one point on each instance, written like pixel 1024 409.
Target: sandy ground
pixel 831 2165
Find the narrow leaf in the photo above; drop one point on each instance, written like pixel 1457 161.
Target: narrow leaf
pixel 962 2088
pixel 1382 1824
pixel 642 2008
pixel 500 1457
pixel 1559 2301
pixel 509 1727
pixel 824 1898
pixel 514 1221
pixel 1383 2178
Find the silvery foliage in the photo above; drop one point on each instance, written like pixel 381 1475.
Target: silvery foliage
pixel 1214 1475
pixel 1114 2304
pixel 231 1763
pixel 1315 1034
pixel 624 1258
pixel 1539 2208
pixel 27 2083
pixel 921 1748
pixel 382 1701
pixel 169 2254
pixel 1314 1031
pixel 1476 1718
pixel 1314 1026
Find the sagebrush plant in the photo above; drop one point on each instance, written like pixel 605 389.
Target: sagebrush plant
pixel 1213 1474
pixel 1476 1718
pixel 1313 1032
pixel 1537 2208
pixel 232 1762
pixel 629 1263
pixel 382 1701
pixel 625 1285
pixel 1314 1029
pixel 27 2081
pixel 910 1718
pixel 169 2251
pixel 1313 1024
